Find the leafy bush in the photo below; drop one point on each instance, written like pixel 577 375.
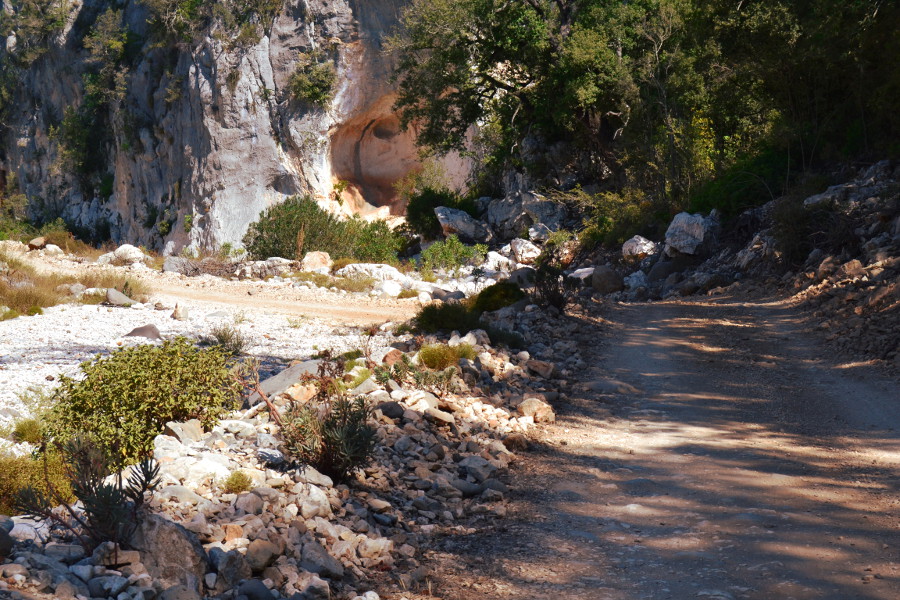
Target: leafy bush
pixel 228 338
pixel 441 356
pixel 41 473
pixel 109 509
pixel 451 254
pixel 126 398
pixel 447 317
pixel 236 483
pixel 497 296
pixel 336 440
pixel 313 80
pixel 420 210
pixel 299 225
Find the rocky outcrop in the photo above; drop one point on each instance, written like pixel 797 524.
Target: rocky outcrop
pixel 207 134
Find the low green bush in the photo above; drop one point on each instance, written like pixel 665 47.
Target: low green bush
pixel 125 399
pixel 441 356
pixel 110 508
pixel 228 338
pixel 497 296
pixel 447 317
pixel 28 430
pixel 451 254
pixel 298 225
pixel 336 440
pixel 237 483
pixel 42 472
pixel 313 80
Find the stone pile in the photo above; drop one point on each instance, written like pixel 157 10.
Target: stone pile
pixel 853 296
pixel 442 464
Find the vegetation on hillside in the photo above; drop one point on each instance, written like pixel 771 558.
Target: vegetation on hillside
pixel 299 225
pixel 702 103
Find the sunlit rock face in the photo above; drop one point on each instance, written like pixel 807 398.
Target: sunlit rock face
pixel 208 137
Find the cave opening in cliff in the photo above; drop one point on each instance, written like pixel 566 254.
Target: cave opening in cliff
pixel 369 154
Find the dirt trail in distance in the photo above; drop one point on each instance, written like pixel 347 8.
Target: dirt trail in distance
pixel 742 464
pixel 349 309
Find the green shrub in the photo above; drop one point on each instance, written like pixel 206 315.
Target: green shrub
pixel 373 241
pixel 109 509
pixel 451 254
pixel 420 210
pixel 313 80
pixel 447 317
pixel 408 293
pixel 441 356
pixel 28 430
pixel 497 296
pixel 337 442
pixel 299 225
pixel 438 382
pixel 126 398
pixel 237 483
pixel 46 471
pixel 228 338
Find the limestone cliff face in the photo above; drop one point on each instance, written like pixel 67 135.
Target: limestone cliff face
pixel 207 135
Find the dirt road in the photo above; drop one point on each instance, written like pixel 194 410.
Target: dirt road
pixel 742 464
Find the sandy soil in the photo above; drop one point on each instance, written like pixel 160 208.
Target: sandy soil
pixel 712 451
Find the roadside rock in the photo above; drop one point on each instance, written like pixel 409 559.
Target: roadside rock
pixel 171 554
pixel 454 221
pixel 316 261
pixel 606 281
pixel 691 234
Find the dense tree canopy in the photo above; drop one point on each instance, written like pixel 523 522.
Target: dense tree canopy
pixel 670 93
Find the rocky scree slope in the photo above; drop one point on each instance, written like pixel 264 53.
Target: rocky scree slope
pixel 442 466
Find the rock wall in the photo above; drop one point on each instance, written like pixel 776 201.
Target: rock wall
pixel 208 137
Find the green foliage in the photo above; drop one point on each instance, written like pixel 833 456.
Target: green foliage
pixel 313 80
pixel 549 279
pixel 109 510
pixel 336 440
pixel 237 483
pixel 228 338
pixel 28 430
pixel 451 254
pixel 420 210
pixel 126 398
pixel 447 317
pixel 438 382
pixel 714 102
pixel 43 473
pixel 299 225
pixel 441 356
pixel 497 296
pixel 36 23
pixel 799 229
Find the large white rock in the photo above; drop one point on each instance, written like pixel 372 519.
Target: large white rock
pixel 638 248
pixel 690 234
pixel 375 271
pixel 316 261
pixel 389 288
pixel 129 254
pixel 124 254
pixel 462 224
pixel 636 280
pixel 524 251
pixel 494 261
